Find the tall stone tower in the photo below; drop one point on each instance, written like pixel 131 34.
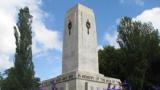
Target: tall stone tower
pixel 80 58
pixel 80 41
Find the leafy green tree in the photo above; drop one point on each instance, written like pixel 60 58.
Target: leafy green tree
pixel 138 57
pixel 21 76
pixel 23 57
pixel 139 41
pixel 11 82
pixel 1 80
pixel 112 62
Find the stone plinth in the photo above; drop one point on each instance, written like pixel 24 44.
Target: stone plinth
pixel 81 81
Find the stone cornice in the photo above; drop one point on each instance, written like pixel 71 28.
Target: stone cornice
pixel 82 76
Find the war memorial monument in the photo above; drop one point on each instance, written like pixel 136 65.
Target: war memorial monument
pixel 80 70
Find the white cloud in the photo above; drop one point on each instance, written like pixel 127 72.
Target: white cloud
pixel 5 62
pixel 48 39
pixel 43 37
pixel 100 47
pixel 150 15
pixel 112 39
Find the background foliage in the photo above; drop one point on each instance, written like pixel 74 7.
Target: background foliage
pixel 138 58
pixel 21 76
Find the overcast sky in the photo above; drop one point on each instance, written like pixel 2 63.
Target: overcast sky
pixel 48 23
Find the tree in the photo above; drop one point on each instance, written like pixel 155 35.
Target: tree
pixel 21 76
pixel 140 42
pixel 11 82
pixel 23 57
pixel 1 80
pixel 138 57
pixel 111 62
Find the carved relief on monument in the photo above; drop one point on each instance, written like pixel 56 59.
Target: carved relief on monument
pixel 88 25
pixel 69 26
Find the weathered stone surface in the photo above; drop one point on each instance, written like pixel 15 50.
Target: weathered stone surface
pixel 80 43
pixel 80 57
pixel 77 81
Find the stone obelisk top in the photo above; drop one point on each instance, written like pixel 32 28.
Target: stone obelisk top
pixel 80 41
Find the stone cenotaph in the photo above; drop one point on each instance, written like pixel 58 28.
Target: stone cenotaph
pixel 80 70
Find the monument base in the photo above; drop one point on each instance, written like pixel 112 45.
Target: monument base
pixel 78 80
